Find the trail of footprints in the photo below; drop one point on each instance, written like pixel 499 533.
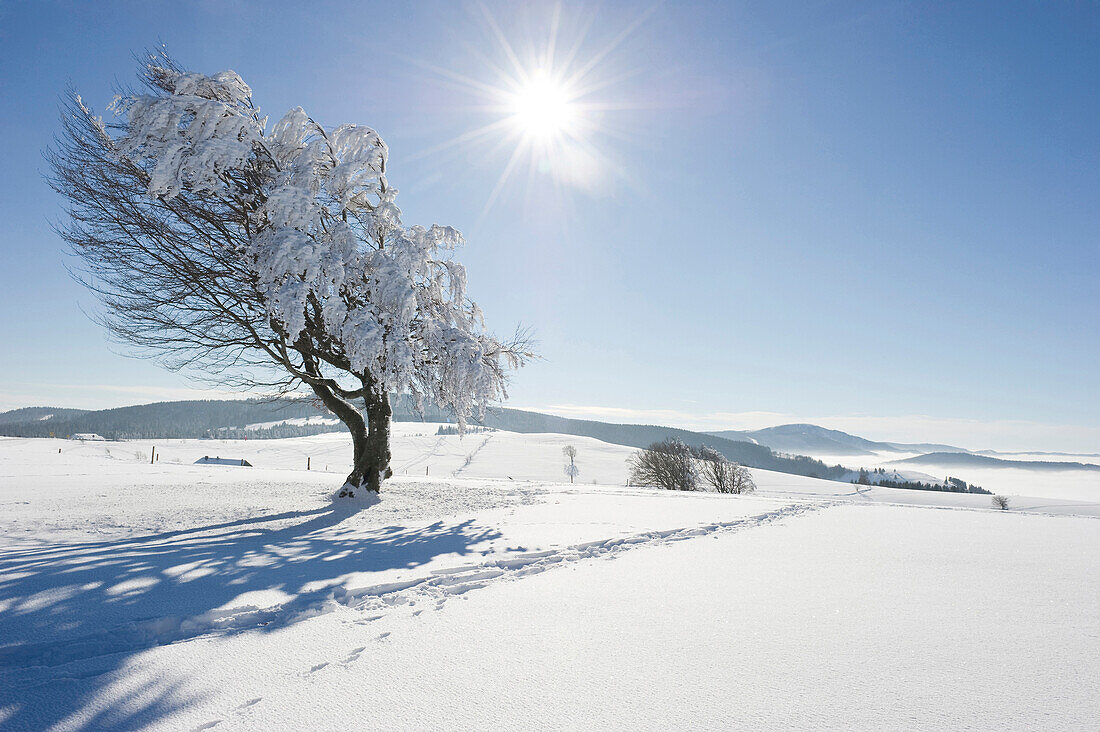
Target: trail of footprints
pixel 443 584
pixel 455 581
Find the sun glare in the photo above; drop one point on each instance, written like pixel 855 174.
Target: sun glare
pixel 542 108
pixel 548 101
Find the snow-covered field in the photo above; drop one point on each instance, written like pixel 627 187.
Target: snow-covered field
pixel 484 592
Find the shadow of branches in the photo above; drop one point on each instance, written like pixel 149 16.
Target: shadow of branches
pixel 79 611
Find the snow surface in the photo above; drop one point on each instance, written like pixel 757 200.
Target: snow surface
pixel 178 596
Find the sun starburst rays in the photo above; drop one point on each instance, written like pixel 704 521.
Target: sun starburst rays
pixel 546 104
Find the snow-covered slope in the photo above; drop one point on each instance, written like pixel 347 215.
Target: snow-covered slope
pixel 177 596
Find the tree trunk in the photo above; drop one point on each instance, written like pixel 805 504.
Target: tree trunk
pixel 376 455
pixel 370 439
pixel 360 450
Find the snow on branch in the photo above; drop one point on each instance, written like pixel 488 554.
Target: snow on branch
pixel 286 237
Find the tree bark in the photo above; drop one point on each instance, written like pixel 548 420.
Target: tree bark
pixel 376 458
pixel 370 439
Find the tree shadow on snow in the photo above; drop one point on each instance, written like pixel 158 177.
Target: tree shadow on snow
pixel 71 614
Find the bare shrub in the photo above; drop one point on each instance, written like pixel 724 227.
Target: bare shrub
pixel 723 475
pixel 667 464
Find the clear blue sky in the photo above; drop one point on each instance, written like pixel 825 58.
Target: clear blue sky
pixel 883 216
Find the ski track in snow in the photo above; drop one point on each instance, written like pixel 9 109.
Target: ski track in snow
pixel 470 457
pixel 421 458
pixel 43 660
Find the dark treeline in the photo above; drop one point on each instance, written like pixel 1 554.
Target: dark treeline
pixel 452 429
pixel 918 486
pixel 275 432
pixel 189 419
pixel 35 414
pixel 952 485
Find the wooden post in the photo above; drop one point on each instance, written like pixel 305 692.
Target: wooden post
pixel 307 462
pixel 152 455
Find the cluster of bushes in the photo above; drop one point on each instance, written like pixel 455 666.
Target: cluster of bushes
pixel 675 466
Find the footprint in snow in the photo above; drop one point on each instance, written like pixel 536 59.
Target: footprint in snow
pixel 249 703
pixel 367 620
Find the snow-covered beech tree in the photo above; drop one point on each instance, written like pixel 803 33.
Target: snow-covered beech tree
pixel 270 255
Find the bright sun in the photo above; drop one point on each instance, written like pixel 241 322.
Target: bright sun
pixel 548 100
pixel 542 108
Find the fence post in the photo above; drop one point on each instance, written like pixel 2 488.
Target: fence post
pixel 308 459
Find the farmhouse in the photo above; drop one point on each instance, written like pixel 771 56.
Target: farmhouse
pixel 207 460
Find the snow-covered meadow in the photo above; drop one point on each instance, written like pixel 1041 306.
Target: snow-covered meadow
pixel 485 591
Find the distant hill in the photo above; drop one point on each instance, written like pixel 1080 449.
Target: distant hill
pixel 814 440
pixel 801 438
pixel 207 418
pixel 635 435
pixel 1039 452
pixel 984 461
pixel 220 418
pixel 39 414
pixel 231 419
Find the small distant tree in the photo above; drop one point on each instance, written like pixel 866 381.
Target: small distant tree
pixel 668 464
pixel 1000 502
pixel 723 475
pixel 571 469
pixel 864 478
